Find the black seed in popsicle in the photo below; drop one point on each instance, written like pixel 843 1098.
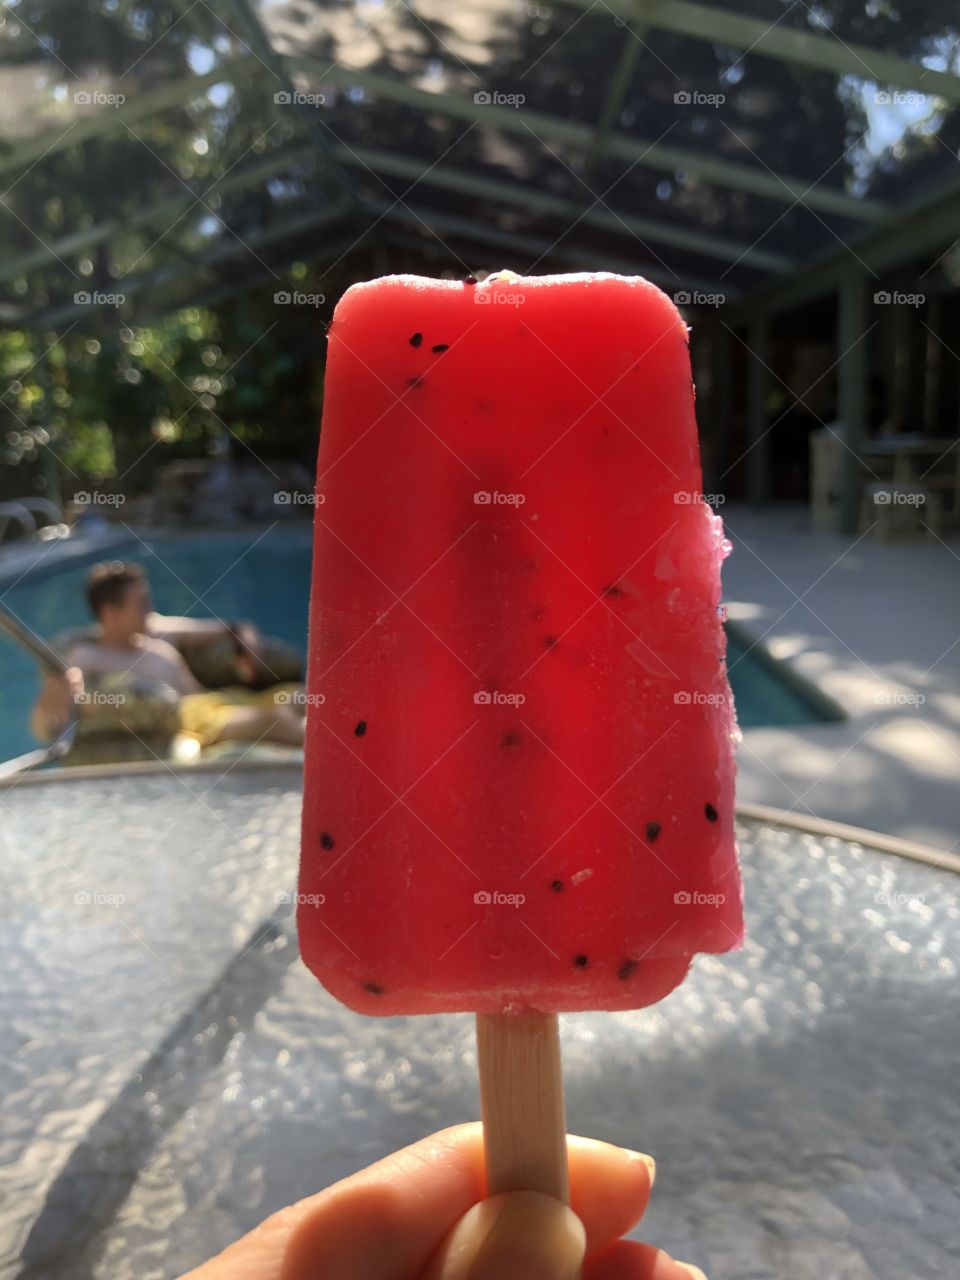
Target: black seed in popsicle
pixel 440 347
pixel 469 279
pixel 653 830
pixel 326 840
pixel 374 988
pixel 581 962
pixel 711 812
pixel 416 339
pixel 556 886
pixel 550 641
pixel 626 969
pixel 361 728
pixel 511 739
pixel 613 591
pixel 415 381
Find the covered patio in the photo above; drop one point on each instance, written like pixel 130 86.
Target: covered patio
pixel 789 176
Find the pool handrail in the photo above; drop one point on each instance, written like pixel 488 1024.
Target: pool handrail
pixel 50 659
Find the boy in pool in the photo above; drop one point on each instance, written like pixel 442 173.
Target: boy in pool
pixel 133 640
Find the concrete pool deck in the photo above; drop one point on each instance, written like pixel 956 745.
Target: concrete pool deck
pixel 876 626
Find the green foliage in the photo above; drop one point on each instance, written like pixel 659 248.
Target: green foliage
pixel 115 408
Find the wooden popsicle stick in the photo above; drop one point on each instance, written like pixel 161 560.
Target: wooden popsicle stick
pixel 521 1097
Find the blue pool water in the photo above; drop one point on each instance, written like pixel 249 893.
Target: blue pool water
pixel 265 578
pixel 248 575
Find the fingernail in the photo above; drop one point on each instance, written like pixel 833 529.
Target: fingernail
pixel 695 1272
pixel 647 1160
pixel 523 1233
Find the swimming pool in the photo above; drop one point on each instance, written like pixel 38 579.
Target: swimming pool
pixel 266 577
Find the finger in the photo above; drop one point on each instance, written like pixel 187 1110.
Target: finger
pixel 385 1222
pixel 609 1188
pixel 631 1260
pixel 522 1233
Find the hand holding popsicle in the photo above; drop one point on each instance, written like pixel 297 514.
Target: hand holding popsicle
pixel 418 1215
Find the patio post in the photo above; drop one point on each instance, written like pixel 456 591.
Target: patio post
pixel 758 388
pixel 721 410
pixel 933 361
pixel 851 390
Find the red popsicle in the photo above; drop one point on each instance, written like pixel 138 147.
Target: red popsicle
pixel 519 761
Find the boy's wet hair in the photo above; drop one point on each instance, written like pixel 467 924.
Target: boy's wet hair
pixel 108 583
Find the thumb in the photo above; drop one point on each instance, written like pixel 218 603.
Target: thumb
pixel 521 1233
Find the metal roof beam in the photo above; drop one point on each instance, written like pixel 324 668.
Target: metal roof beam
pixel 524 198
pixel 717 172
pixel 172 208
pixel 822 52
pixel 925 228
pixel 619 83
pixel 250 22
pixel 513 242
pixel 111 119
pixel 229 248
pixel 331 248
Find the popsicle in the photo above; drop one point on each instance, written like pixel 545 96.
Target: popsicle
pixel 519 761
